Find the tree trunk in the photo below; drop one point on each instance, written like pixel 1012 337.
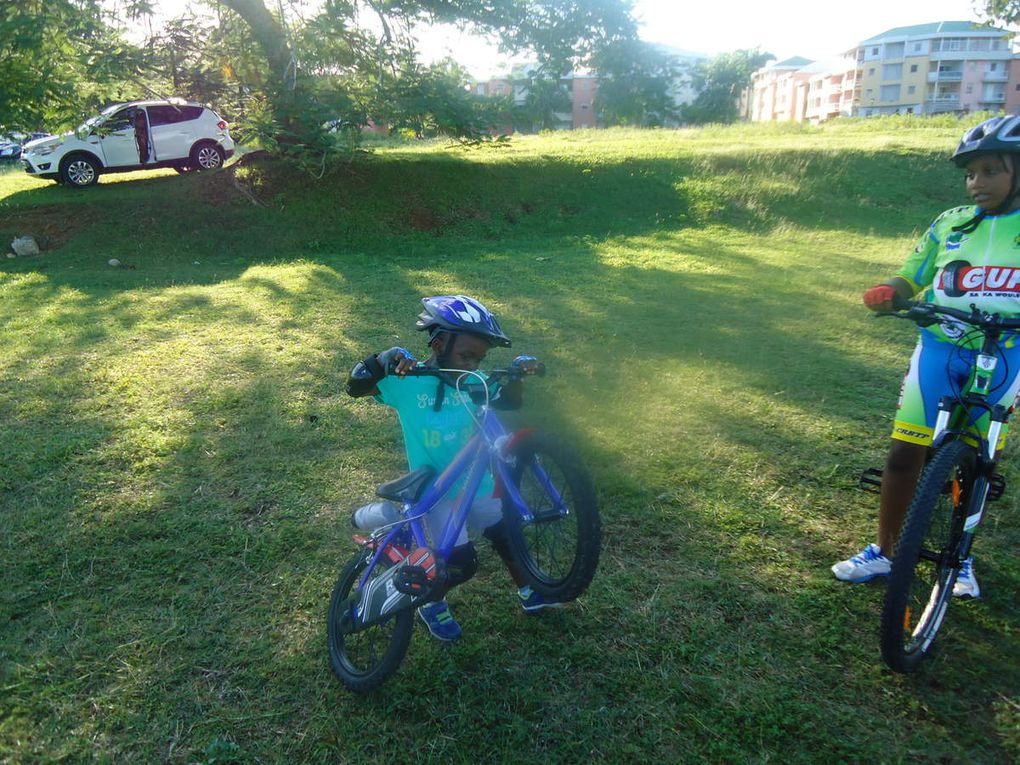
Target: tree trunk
pixel 268 32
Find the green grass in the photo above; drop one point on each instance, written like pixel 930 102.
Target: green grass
pixel 178 461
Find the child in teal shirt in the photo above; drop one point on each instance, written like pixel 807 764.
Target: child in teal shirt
pixel 436 423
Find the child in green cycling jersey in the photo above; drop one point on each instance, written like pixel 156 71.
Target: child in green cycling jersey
pixel 969 256
pixel 436 424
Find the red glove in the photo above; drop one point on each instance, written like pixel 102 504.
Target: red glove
pixel 879 297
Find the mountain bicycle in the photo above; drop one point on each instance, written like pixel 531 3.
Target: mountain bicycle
pixel 955 487
pixel 550 516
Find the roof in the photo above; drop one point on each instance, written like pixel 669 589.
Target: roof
pixel 797 62
pixel 934 29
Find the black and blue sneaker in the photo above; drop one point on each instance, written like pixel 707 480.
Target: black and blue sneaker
pixel 440 621
pixel 532 602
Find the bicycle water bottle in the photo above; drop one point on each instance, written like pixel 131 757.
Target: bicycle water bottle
pixel 375 514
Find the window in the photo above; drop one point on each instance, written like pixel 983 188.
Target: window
pixel 120 120
pixel 890 93
pixel 874 51
pixel 170 115
pixel 911 89
pixel 913 68
pixel 892 72
pixel 917 47
pixel 871 71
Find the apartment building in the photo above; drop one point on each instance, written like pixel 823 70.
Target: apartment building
pixel 580 88
pixel 775 90
pixel 947 66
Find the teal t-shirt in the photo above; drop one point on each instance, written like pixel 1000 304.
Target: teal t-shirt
pixel 431 437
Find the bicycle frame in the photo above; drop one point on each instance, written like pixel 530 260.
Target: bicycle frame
pixel 486 452
pixel 955 410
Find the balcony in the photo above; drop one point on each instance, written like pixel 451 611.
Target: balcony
pixel 995 77
pixel 994 98
pixel 945 76
pixel 965 55
pixel 943 104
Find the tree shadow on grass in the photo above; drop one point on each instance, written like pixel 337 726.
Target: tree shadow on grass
pixel 194 230
pixel 203 562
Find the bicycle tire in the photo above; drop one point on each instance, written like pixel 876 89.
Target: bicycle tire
pixel 363 660
pixel 927 558
pixel 559 552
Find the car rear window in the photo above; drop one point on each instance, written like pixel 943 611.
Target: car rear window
pixel 168 115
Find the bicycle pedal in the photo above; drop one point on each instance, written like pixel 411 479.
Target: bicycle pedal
pixel 996 486
pixel 871 481
pixel 421 572
pixel 411 580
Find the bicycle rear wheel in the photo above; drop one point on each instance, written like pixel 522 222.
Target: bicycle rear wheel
pixel 927 558
pixel 363 660
pixel 559 547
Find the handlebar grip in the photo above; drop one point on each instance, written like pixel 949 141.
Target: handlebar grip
pixel 900 303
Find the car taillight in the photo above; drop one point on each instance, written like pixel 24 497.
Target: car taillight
pixel 222 125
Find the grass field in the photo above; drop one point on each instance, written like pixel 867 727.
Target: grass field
pixel 178 460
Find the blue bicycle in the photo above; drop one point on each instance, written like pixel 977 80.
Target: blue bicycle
pixel 550 516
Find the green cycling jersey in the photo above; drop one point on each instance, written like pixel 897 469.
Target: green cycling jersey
pixel 958 269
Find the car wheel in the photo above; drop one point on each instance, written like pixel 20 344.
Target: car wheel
pixel 79 171
pixel 207 156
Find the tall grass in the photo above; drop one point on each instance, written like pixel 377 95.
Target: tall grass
pixel 178 461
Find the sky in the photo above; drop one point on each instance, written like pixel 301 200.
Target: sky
pixel 784 28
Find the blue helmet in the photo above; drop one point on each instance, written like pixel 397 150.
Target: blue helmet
pixel 461 315
pixel 998 135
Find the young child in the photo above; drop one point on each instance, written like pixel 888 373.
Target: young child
pixel 966 257
pixel 436 425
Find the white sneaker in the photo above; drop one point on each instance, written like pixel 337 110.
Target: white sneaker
pixel 966 583
pixel 864 566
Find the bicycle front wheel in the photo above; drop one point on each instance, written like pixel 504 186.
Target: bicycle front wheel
pixel 559 546
pixel 927 558
pixel 363 660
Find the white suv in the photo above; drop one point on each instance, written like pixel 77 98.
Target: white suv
pixel 133 136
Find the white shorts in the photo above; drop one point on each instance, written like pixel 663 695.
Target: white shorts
pixel 484 512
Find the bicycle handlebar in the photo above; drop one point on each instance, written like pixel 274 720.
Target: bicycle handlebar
pixel 926 314
pixel 511 373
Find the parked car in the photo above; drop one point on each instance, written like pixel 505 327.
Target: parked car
pixel 133 136
pixel 10 145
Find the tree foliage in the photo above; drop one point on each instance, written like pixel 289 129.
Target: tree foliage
pixel 1003 11
pixel 58 60
pixel 636 82
pixel 286 72
pixel 720 83
pixel 378 77
pixel 546 96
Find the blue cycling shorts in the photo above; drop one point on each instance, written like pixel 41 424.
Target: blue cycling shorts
pixel 938 369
